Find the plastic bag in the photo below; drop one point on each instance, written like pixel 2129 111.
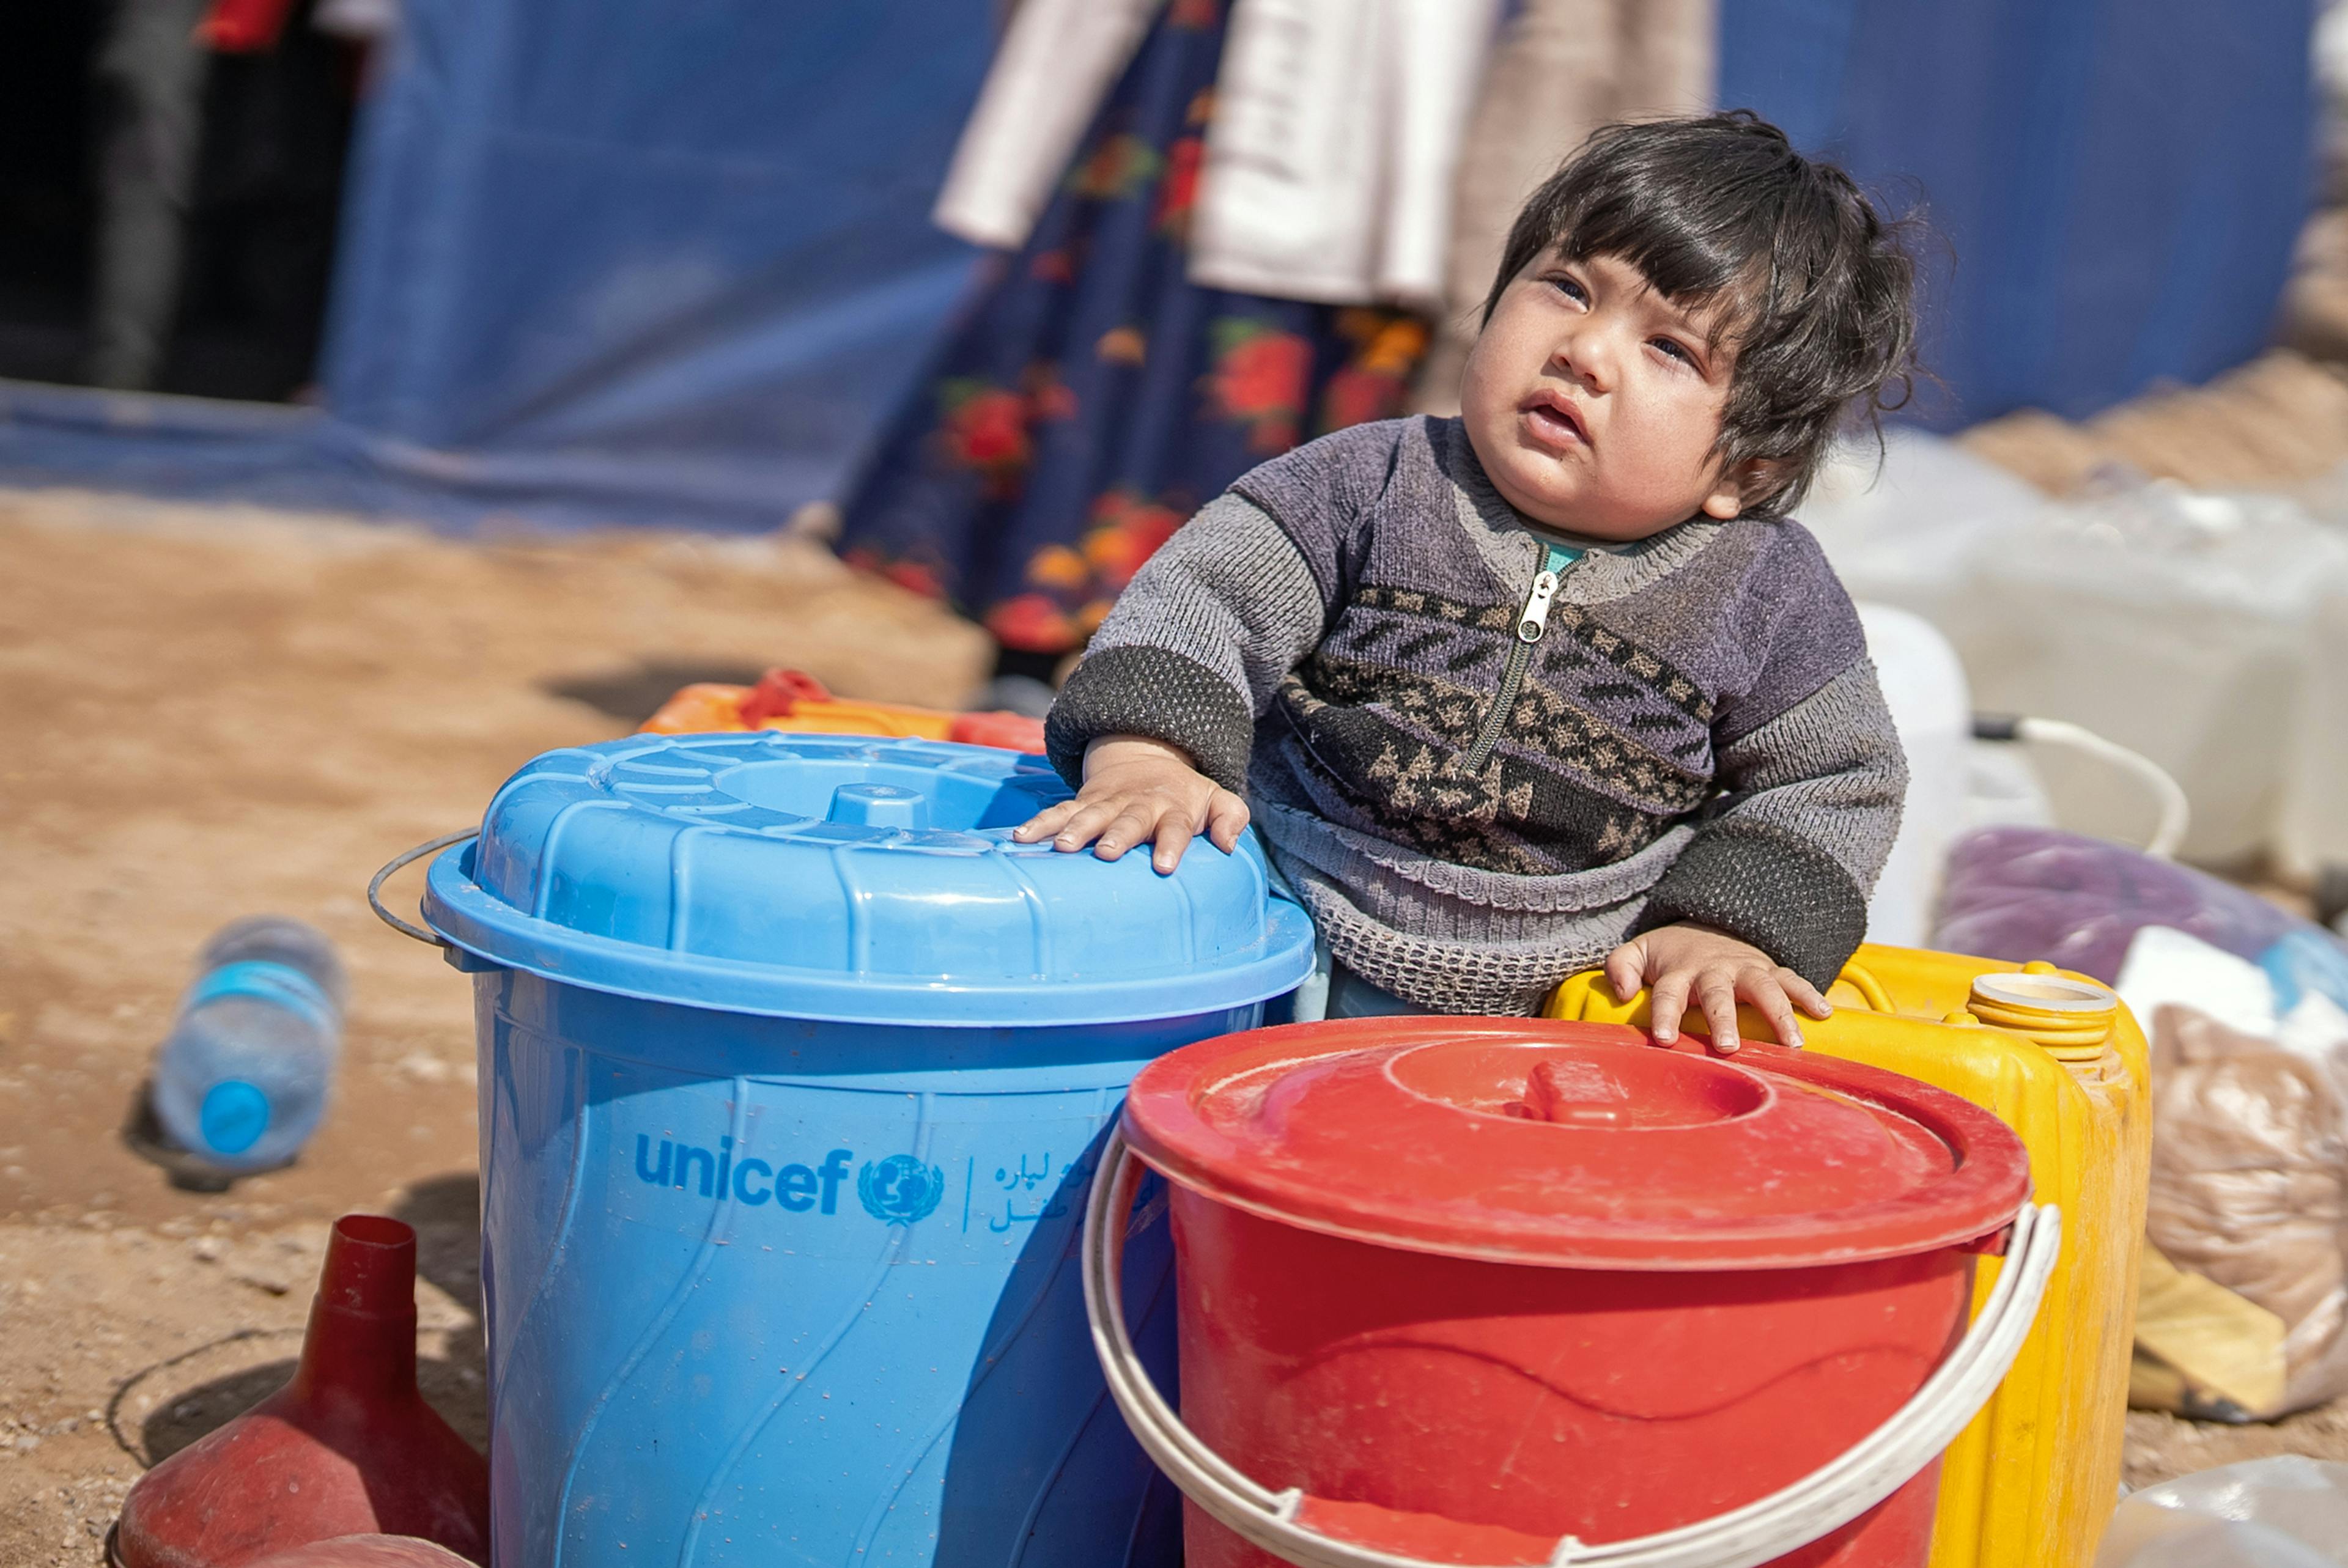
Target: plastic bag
pixel 2306 962
pixel 2284 1512
pixel 2250 1201
pixel 2025 893
pixel 2243 1311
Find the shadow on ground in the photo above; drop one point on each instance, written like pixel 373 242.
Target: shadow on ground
pixel 633 696
pixel 208 1407
pixel 142 1134
pixel 447 1213
pixel 444 1209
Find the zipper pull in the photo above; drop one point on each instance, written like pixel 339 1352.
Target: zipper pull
pixel 1533 619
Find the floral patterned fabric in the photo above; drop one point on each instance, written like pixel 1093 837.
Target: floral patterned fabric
pixel 1090 398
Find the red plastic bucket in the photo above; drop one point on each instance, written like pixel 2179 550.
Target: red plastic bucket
pixel 1459 1290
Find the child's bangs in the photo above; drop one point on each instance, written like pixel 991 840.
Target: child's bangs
pixel 1719 266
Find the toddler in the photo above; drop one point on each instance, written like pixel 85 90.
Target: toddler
pixel 1555 680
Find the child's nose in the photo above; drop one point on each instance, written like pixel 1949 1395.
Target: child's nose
pixel 1587 357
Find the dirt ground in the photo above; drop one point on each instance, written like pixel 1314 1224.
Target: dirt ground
pixel 214 712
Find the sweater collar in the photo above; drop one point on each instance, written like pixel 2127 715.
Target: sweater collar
pixel 1510 543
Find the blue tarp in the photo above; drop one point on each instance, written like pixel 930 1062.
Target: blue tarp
pixel 604 260
pixel 2114 186
pixel 669 260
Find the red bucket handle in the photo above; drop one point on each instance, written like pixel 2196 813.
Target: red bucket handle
pixel 1284 1522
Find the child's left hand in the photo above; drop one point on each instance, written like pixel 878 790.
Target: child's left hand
pixel 1676 963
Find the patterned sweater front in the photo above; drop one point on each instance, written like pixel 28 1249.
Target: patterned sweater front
pixel 1481 773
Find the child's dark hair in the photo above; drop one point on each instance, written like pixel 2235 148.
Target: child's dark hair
pixel 1818 289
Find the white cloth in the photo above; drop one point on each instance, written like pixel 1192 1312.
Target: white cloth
pixel 1056 63
pixel 1329 163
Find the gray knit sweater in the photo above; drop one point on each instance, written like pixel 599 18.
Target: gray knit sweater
pixel 1476 800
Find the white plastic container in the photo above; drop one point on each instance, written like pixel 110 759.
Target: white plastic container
pixel 2313 832
pixel 1924 686
pixel 2174 623
pixel 1910 527
pixel 2208 633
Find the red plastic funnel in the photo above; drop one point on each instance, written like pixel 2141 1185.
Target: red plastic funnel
pixel 348 1447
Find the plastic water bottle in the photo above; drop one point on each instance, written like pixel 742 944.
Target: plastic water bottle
pixel 243 1079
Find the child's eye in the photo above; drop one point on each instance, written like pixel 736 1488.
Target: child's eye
pixel 1569 288
pixel 1671 348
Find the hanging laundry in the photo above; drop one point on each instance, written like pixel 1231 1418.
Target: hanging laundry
pixel 1138 348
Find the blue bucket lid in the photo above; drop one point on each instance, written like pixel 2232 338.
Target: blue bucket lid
pixel 855 880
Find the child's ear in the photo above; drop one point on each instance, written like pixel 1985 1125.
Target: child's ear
pixel 1740 483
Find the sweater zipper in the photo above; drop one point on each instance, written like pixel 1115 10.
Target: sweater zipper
pixel 1532 620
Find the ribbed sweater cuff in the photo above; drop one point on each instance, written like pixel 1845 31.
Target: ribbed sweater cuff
pixel 1138 690
pixel 1786 897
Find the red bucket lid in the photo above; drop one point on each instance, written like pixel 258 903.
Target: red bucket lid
pixel 1578 1145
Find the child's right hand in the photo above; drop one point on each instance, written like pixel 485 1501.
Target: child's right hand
pixel 1136 791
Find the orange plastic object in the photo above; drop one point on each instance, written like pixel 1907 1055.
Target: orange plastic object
pixel 794 700
pixel 701 709
pixel 1011 731
pixel 348 1446
pixel 781 692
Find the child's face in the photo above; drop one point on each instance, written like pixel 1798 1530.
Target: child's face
pixel 1593 402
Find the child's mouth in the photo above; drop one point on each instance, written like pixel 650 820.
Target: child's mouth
pixel 1553 426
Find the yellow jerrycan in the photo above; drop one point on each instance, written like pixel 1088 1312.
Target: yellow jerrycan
pixel 2031 1482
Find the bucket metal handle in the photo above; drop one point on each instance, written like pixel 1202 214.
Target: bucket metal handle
pixel 375 887
pixel 1745 1537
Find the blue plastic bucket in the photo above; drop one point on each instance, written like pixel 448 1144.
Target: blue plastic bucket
pixel 793 1071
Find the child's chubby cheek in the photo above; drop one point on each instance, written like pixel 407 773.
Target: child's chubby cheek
pixel 1623 463
pixel 1544 463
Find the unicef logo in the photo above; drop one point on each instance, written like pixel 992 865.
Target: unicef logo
pixel 899 1189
